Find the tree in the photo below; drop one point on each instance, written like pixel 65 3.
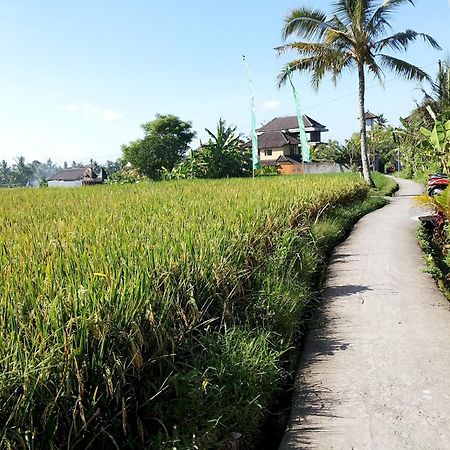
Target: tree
pixel 439 98
pixel 42 171
pixel 353 37
pixel 112 166
pixel 22 172
pixel 5 173
pixel 166 141
pixel 224 155
pixel 333 151
pixel 381 145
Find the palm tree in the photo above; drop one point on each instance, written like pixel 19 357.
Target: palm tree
pixel 354 36
pixel 225 153
pixel 225 137
pixel 439 98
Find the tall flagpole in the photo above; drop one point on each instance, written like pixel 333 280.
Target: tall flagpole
pixel 255 157
pixel 306 155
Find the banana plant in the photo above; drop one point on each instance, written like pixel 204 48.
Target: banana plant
pixel 439 139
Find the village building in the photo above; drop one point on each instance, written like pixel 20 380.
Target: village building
pixel 78 176
pixel 370 120
pixel 281 137
pixel 279 142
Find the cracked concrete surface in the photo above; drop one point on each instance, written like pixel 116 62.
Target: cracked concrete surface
pixel 376 374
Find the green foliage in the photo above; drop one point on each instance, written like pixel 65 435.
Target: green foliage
pixel 439 203
pixel 439 98
pixel 166 141
pixel 381 143
pixel 266 171
pixel 22 173
pixel 437 256
pixel 384 185
pixel 439 139
pixel 424 135
pixel 126 176
pixel 158 316
pixel 223 156
pixel 347 154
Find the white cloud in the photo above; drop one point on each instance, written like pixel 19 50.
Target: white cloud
pixel 110 116
pixel 271 104
pixel 91 110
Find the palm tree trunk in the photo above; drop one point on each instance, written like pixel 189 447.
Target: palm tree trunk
pixel 362 122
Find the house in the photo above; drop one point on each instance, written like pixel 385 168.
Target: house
pixel 273 144
pixel 77 176
pixel 281 138
pixel 370 120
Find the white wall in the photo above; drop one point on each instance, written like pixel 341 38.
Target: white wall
pixel 325 167
pixel 64 183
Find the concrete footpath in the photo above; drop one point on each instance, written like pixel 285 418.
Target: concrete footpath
pixel 376 374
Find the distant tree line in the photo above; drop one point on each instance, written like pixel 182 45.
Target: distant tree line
pixel 21 173
pixel 36 173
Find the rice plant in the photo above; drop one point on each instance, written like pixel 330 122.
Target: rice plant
pixel 153 315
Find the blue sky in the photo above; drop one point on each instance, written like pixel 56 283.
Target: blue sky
pixel 78 78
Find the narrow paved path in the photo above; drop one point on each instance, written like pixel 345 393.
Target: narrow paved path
pixel 376 375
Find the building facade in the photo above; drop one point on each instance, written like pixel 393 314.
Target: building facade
pixel 280 137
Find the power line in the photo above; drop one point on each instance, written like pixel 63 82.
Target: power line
pixel 356 92
pixel 350 94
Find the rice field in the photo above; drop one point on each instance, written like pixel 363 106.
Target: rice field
pixel 155 315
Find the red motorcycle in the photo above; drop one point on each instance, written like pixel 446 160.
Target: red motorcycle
pixel 437 183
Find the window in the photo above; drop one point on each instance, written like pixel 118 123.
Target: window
pixel 268 152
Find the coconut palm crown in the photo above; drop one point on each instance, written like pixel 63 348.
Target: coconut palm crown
pixel 355 36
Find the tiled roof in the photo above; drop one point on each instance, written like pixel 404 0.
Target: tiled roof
pixel 369 115
pixel 283 159
pixel 76 174
pixel 292 159
pixel 291 123
pixel 69 174
pixel 274 139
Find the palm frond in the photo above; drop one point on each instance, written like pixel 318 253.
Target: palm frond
pixel 403 68
pixel 340 67
pixel 387 8
pixel 305 49
pixel 343 10
pixel 400 41
pixel 374 68
pixel 379 22
pixel 364 10
pixel 305 22
pixel 339 39
pixel 327 61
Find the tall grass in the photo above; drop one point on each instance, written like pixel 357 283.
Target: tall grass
pixel 384 185
pixel 154 315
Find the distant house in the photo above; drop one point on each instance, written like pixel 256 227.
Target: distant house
pixel 370 120
pixel 280 137
pixel 273 144
pixel 77 176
